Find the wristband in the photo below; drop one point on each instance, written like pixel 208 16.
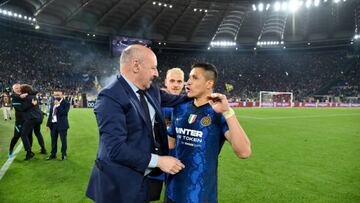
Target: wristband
pixel 227 114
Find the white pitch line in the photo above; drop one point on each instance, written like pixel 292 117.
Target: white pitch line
pixel 296 117
pixel 7 164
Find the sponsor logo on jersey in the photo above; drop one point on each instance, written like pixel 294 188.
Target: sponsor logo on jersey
pixel 189 132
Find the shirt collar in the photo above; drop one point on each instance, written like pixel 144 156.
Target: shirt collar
pixel 131 84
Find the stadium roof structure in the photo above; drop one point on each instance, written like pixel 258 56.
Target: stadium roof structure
pixel 199 21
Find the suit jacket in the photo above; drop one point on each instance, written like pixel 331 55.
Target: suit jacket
pixel 61 115
pixel 125 143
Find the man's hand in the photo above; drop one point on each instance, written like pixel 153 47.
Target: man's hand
pixel 170 165
pixel 56 103
pixel 23 95
pixel 219 102
pixel 34 101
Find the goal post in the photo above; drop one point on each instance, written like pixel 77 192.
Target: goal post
pixel 275 99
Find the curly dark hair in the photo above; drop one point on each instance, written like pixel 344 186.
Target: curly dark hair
pixel 25 88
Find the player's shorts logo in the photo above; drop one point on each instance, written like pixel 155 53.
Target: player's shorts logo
pixel 206 121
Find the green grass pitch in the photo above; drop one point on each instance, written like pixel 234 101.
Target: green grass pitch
pixel 299 155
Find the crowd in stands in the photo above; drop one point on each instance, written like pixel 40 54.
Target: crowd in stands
pixel 71 65
pixel 304 74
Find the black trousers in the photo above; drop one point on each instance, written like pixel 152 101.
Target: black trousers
pixel 55 132
pixel 28 126
pixel 17 135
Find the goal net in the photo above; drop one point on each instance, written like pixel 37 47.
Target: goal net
pixel 275 99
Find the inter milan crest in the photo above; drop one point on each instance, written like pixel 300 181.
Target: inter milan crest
pixel 206 121
pixel 192 118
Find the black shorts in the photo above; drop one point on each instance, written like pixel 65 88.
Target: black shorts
pixel 155 187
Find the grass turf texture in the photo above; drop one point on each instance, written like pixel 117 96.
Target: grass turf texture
pixel 299 155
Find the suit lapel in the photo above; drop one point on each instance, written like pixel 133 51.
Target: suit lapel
pixel 133 99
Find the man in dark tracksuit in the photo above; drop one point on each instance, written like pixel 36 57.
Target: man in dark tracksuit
pixel 58 124
pixel 17 103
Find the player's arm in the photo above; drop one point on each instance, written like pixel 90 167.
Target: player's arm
pixel 236 135
pixel 171 142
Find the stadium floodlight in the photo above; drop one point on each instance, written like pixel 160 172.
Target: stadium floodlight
pixel 159 4
pixel 205 10
pixel 10 13
pixel 200 10
pixel 165 5
pixel 325 1
pixel 195 9
pixel 316 3
pixel 170 6
pixel 34 19
pixel 222 44
pixel 267 6
pixel 29 18
pixel 277 6
pixel 15 15
pixel 236 48
pixel 261 7
pixel 254 50
pixel 208 48
pixel 294 5
pixel 25 17
pixel 308 3
pixel 154 3
pixel 336 1
pixel 37 27
pixel 254 7
pixel 356 37
pixel 284 6
pixel 284 47
pixel 20 16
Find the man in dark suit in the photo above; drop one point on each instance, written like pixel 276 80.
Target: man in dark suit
pixel 58 124
pixel 133 137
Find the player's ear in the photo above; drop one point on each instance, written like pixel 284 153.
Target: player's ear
pixel 209 84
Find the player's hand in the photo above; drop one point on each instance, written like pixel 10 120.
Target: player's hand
pixel 170 165
pixel 218 102
pixel 165 90
pixel 47 129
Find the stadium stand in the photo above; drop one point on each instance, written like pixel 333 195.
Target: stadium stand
pixel 49 63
